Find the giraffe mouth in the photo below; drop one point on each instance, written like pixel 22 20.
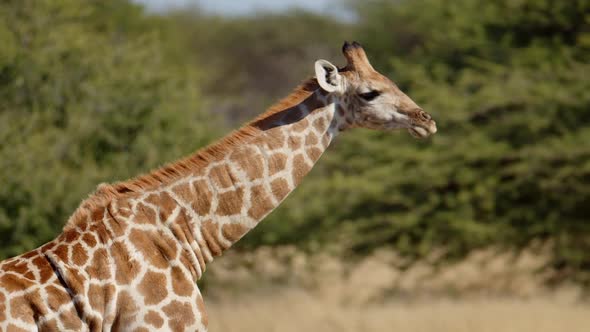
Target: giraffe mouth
pixel 422 132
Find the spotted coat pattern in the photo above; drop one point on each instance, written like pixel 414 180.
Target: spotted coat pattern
pixel 129 258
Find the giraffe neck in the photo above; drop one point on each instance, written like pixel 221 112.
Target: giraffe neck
pixel 235 193
pixel 200 214
pixel 130 254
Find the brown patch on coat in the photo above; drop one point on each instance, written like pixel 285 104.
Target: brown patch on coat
pixel 14 328
pixel 180 315
pixel 50 325
pixel 222 176
pixel 13 283
pixel 274 139
pixel 313 153
pixel 300 126
pixel 294 143
pixel 95 298
pixel 89 239
pixel 276 163
pixel 183 191
pixel 152 287
pixel 79 255
pixel 234 231
pixel 261 203
pixel 311 139
pixel 20 308
pixel 18 267
pixel 280 188
pixel 145 215
pixel 230 202
pixel 154 319
pixel 320 124
pixel 98 213
pixel 250 161
pixel 45 270
pixel 56 297
pixel 300 168
pixel 146 246
pixel 32 253
pixel 180 284
pixel 100 231
pixel 69 236
pixel 167 245
pixel 61 251
pixel 99 267
pixel 46 247
pixel 29 275
pixel 165 204
pixel 126 267
pixel 70 320
pixel 202 200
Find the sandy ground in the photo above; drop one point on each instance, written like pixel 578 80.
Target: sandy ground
pixel 281 290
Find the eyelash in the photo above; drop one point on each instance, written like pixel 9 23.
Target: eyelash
pixel 368 96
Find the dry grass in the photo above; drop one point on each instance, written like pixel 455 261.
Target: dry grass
pixel 280 290
pixel 293 310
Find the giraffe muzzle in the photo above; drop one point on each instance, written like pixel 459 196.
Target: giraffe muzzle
pixel 423 131
pixel 421 124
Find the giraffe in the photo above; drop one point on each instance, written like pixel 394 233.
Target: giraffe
pixel 130 256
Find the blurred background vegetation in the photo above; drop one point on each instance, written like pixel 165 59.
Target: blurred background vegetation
pixel 98 91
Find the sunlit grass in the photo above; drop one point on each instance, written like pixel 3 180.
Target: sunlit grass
pixel 274 290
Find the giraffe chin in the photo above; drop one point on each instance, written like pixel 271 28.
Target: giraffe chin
pixel 418 132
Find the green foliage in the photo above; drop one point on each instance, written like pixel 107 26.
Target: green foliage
pixel 249 62
pixel 86 96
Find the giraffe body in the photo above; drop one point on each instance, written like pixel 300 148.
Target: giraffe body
pixel 130 256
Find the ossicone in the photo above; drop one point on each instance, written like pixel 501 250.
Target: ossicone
pixel 349 46
pixel 356 57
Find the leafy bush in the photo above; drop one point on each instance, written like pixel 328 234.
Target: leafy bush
pixel 86 96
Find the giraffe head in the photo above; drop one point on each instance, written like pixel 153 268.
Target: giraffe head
pixel 369 99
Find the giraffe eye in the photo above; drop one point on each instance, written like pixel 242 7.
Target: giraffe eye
pixel 368 96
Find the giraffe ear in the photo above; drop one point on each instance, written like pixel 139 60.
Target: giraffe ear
pixel 328 77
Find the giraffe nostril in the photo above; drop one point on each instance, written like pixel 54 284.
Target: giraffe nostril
pixel 425 116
